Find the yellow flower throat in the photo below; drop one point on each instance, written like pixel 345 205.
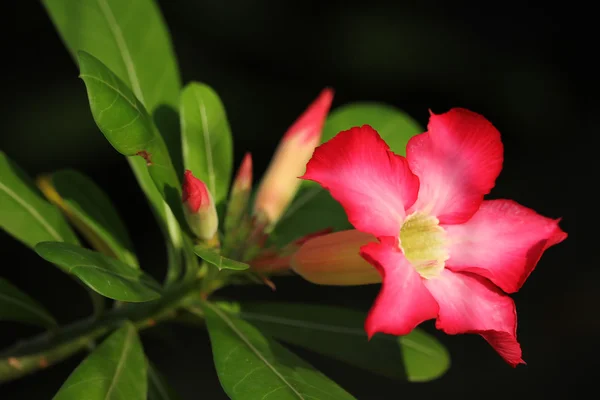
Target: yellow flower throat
pixel 423 242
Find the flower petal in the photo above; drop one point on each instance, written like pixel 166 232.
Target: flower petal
pixel 503 242
pixel 457 162
pixel 403 301
pixel 471 304
pixel 373 184
pixel 334 259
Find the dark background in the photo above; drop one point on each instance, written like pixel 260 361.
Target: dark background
pixel 517 64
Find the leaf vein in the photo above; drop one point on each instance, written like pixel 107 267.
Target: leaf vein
pixel 247 342
pixel 33 212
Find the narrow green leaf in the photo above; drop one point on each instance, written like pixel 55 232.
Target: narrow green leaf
pixel 338 333
pixel 158 389
pixel 130 38
pixel 206 138
pixel 24 213
pixel 250 366
pixel 106 275
pixel 92 213
pixel 139 51
pixel 127 126
pixel 18 306
pixel 215 258
pixel 313 208
pixel 116 370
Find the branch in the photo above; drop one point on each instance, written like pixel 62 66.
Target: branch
pixel 52 347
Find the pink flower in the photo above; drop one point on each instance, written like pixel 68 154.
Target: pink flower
pixel 442 251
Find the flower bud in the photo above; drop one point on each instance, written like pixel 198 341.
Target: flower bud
pixel 240 193
pixel 274 260
pixel 334 259
pixel 199 207
pixel 280 182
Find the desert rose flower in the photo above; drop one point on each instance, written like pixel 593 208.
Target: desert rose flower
pixel 442 251
pixel 280 182
pixel 199 207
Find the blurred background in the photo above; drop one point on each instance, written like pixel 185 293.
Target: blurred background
pixel 516 64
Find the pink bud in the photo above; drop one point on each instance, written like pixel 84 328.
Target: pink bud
pixel 280 183
pixel 199 207
pixel 334 259
pixel 243 179
pixel 273 260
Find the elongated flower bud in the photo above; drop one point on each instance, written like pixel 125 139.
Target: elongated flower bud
pixel 199 207
pixel 240 193
pixel 281 182
pixel 334 259
pixel 274 260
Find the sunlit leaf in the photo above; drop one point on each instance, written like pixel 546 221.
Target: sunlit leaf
pixel 127 126
pixel 105 275
pixel 91 211
pixel 116 370
pixel 131 38
pixel 139 51
pixel 251 366
pixel 18 306
pixel 206 138
pixel 338 333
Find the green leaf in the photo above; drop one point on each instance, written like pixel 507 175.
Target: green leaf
pixel 158 389
pixel 128 127
pixel 393 125
pixel 91 211
pixel 206 138
pixel 178 253
pixel 131 38
pixel 17 306
pixel 338 333
pixel 28 217
pixel 213 257
pixel 116 370
pixel 250 366
pixel 313 208
pixel 106 275
pixel 24 213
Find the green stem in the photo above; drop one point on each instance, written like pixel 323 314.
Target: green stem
pixel 54 346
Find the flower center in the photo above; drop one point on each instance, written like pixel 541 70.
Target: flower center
pixel 422 240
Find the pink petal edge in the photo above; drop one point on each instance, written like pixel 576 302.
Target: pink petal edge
pixel 457 162
pixel 403 301
pixel 502 242
pixel 471 304
pixel 373 184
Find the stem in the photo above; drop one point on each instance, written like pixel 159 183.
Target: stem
pixel 54 346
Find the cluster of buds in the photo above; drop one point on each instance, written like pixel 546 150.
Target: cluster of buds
pixel 245 229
